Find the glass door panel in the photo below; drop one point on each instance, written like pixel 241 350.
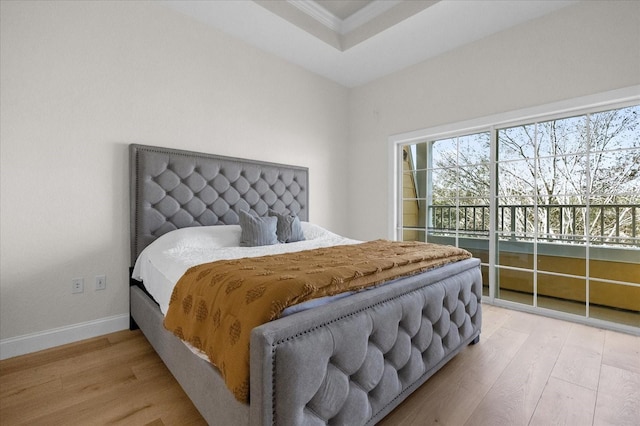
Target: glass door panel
pixel 516 178
pixel 616 265
pixel 413 189
pixel 515 285
pixel 559 137
pixel 413 235
pixel 517 143
pixel 562 293
pixel 614 302
pixel 515 254
pixel 484 269
pixel 562 259
pixel 479 248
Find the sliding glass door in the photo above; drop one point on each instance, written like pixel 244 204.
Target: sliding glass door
pixel 557 200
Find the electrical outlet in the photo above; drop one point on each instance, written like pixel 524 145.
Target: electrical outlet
pixel 101 282
pixel 77 285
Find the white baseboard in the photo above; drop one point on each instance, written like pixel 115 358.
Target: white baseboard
pixel 20 345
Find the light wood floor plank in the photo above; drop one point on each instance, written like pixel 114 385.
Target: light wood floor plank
pixel 564 403
pixel 526 370
pixel 46 358
pixel 622 351
pixel 451 395
pixel 618 397
pixel 492 319
pixel 581 357
pixel 513 397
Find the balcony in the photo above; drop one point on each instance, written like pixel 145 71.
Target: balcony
pixel 545 258
pixel 611 224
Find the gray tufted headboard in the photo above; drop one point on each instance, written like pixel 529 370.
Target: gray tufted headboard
pixel 172 189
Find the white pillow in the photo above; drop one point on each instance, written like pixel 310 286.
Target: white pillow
pixel 199 237
pixel 312 232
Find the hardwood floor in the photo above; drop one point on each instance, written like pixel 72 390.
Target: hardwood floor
pixel 526 370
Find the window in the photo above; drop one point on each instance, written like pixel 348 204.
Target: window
pixel 550 206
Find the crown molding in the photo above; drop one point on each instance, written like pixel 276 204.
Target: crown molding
pixel 342 27
pixel 318 13
pixel 366 14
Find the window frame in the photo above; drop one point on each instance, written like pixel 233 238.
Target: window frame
pixel 554 111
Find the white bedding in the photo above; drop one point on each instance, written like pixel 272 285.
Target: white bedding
pixel 164 261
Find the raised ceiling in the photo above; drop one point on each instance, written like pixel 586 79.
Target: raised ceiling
pixel 344 9
pixel 344 24
pixel 353 42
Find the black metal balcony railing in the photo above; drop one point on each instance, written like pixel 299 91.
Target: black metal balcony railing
pixel 617 224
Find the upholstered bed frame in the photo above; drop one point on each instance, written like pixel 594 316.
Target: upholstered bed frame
pixel 349 362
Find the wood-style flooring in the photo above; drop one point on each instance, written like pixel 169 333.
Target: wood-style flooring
pixel 526 370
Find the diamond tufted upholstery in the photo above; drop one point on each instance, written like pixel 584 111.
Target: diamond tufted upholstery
pixel 347 363
pixel 174 189
pixel 354 368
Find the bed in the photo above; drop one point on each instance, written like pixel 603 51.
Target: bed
pixel 350 361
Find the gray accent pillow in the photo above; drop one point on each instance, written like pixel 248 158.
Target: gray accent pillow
pixel 257 231
pixel 289 229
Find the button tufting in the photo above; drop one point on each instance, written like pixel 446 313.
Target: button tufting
pixel 403 342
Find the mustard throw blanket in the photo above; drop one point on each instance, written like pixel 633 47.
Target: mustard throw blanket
pixel 214 306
